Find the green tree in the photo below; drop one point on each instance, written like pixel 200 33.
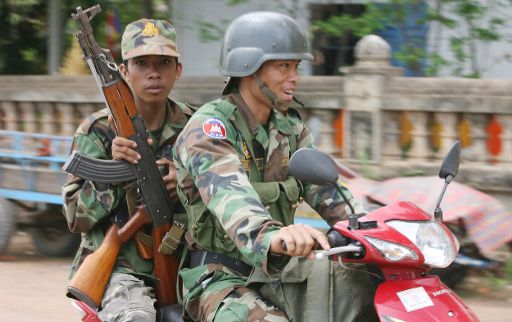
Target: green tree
pixel 24 28
pixel 22 36
pixel 469 25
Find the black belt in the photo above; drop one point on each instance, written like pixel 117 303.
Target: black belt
pixel 202 257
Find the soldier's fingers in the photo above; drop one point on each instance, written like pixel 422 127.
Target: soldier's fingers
pixel 119 141
pixel 302 242
pixel 309 235
pixel 122 149
pixel 150 141
pixel 165 162
pixel 312 238
pixel 320 238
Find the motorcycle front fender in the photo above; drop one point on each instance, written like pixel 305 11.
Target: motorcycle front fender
pixel 424 299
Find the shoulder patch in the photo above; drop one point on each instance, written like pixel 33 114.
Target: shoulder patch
pixel 214 128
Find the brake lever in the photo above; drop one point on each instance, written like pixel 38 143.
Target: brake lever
pixel 337 250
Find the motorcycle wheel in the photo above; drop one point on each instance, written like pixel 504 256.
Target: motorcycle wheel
pixel 452 275
pixel 55 240
pixel 7 223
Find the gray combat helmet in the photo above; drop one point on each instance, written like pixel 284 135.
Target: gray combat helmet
pixel 256 37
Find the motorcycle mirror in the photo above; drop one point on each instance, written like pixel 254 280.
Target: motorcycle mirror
pixel 448 171
pixel 313 166
pixel 450 165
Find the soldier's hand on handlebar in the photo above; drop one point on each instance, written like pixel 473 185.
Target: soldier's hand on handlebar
pixel 299 240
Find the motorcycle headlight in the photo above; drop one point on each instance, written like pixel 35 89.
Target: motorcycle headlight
pixel 431 239
pixel 392 251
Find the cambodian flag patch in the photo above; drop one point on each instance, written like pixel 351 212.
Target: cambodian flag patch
pixel 214 128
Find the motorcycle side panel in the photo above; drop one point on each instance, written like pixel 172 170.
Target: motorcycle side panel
pixel 421 300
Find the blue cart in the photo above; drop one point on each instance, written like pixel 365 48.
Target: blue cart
pixel 31 177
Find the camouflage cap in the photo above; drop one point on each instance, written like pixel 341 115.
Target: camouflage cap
pixel 149 37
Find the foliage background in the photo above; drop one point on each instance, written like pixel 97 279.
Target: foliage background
pixel 24 28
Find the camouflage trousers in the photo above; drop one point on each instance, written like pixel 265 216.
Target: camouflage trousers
pixel 244 304
pixel 307 291
pixel 127 299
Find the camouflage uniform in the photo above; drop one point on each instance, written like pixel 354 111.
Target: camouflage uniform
pixel 234 208
pixel 234 184
pixel 89 207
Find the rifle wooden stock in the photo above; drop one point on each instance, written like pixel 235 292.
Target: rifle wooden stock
pixel 119 96
pixel 145 251
pixel 165 270
pixel 140 218
pixel 90 280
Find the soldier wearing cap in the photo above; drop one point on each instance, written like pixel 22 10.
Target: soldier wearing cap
pixel 150 66
pixel 231 159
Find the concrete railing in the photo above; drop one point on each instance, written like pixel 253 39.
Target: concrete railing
pixel 372 117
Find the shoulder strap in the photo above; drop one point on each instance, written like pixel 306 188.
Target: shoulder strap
pixel 187 108
pixel 224 107
pixel 88 122
pixel 292 139
pixel 255 172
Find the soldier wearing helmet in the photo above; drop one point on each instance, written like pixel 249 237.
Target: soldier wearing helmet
pixel 231 161
pixel 151 67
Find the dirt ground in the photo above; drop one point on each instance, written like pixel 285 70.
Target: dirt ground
pixel 32 288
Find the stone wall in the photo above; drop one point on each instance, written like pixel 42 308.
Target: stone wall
pixel 376 120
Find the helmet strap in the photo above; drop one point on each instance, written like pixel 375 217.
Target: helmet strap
pixel 276 103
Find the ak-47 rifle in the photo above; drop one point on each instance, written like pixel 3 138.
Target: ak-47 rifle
pixel 90 281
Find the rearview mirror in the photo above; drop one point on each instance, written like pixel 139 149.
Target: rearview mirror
pixel 312 166
pixel 450 165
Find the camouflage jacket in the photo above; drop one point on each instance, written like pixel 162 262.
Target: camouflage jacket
pixel 89 206
pixel 217 182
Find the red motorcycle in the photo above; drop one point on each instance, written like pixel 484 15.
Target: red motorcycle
pixel 401 240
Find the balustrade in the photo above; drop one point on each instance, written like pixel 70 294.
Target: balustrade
pixel 384 118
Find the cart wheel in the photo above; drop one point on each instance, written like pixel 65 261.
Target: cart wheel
pixel 55 240
pixel 7 223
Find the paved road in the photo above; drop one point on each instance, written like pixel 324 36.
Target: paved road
pixel 32 289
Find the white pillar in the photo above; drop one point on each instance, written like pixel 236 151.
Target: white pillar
pixel 449 132
pixel 478 151
pixel 67 118
pixel 364 88
pixel 420 148
pixel 48 122
pixel 10 117
pixel 28 116
pixel 391 136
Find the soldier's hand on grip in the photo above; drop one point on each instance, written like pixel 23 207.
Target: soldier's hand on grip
pixel 300 240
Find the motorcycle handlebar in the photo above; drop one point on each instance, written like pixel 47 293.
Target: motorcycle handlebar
pixel 336 239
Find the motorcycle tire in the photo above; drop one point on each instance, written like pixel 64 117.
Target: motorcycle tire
pixel 55 241
pixel 7 223
pixel 452 275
